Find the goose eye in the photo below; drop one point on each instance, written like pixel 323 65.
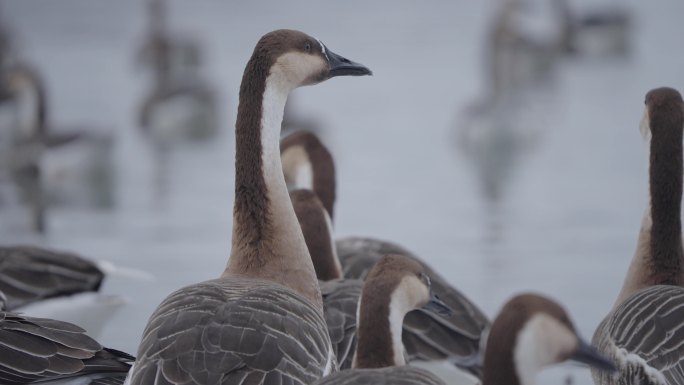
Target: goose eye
pixel 307 47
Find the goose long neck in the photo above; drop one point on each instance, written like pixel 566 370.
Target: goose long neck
pixel 665 180
pixel 658 258
pixel 324 180
pixel 31 99
pixel 379 328
pixel 267 240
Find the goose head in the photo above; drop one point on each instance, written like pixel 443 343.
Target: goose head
pixel 297 59
pixel 396 285
pixel 407 282
pixel 308 164
pixel 530 333
pixel 662 105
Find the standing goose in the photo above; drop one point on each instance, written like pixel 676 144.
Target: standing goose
pixel 529 333
pixel 395 286
pixel 428 337
pixel 262 320
pixel 48 165
pixel 643 332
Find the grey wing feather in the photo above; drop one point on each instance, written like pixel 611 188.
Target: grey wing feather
pixel 340 303
pixel 29 274
pixel 40 350
pixel 233 331
pixel 426 336
pixel 650 325
pixel 398 375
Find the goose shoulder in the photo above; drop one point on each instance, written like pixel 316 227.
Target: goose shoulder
pixel 234 330
pixel 403 375
pixel 644 337
pixel 46 351
pixel 29 274
pixel 340 303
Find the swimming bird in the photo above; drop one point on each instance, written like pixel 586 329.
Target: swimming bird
pixel 262 320
pixel 530 333
pixel 46 351
pixel 643 332
pixel 428 337
pixel 395 286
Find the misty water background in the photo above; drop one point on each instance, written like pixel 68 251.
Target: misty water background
pixel 565 225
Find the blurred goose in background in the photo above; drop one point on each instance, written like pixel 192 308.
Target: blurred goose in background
pixel 180 105
pixel 644 332
pixel 428 337
pixel 51 166
pixel 262 320
pixel 498 129
pixel 530 333
pixel 55 284
pixel 46 351
pixel 395 286
pixel 598 32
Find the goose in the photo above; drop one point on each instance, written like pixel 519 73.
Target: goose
pixel 340 295
pixel 530 333
pixel 643 332
pixel 396 285
pixel 262 320
pixel 47 351
pixel 180 106
pixel 70 167
pixel 428 337
pixel 50 283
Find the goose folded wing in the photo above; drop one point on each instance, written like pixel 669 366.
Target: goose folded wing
pixel 233 332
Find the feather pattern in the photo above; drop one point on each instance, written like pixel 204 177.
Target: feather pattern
pixel 399 375
pixel 43 350
pixel 29 274
pixel 645 337
pixel 340 303
pixel 233 331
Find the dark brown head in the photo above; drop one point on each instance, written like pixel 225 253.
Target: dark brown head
pixel 317 230
pixel 300 59
pixel 532 332
pixel 308 164
pixel 664 109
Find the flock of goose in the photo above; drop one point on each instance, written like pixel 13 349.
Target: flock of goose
pixel 296 306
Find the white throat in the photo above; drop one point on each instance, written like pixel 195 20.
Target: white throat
pixel 275 96
pixel 540 342
pixel 404 299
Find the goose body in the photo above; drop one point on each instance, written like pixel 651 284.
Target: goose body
pixel 38 350
pixel 55 284
pixel 262 320
pixel 643 332
pixel 396 285
pixel 307 164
